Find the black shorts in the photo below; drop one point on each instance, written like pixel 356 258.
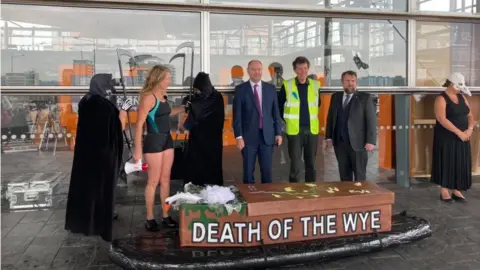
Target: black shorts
pixel 157 142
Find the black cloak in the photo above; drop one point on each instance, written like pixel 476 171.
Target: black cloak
pixel 96 160
pixel 205 143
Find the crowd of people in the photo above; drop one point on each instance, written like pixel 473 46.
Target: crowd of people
pixel 262 119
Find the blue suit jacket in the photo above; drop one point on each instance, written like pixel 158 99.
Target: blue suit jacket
pixel 245 114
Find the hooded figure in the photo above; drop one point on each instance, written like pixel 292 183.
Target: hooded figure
pixel 96 161
pixel 205 142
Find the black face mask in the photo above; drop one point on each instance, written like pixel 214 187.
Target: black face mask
pixel 103 85
pixel 202 82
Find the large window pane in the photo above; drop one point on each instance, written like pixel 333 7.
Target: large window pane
pixel 236 39
pixel 66 46
pixel 465 6
pixel 368 4
pixel 443 48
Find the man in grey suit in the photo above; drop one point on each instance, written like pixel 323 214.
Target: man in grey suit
pixel 351 128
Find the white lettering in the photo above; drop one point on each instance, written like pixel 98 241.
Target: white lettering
pixel 375 218
pixel 331 221
pixel 227 233
pixel 364 218
pixel 252 232
pixel 278 225
pixel 212 230
pixel 350 222
pixel 198 228
pixel 317 225
pixel 305 221
pixel 287 227
pixel 240 227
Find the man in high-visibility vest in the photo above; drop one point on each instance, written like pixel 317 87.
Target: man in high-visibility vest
pixel 299 100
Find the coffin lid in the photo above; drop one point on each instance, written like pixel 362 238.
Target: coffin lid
pixel 283 198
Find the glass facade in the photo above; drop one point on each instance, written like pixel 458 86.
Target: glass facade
pixel 332 45
pixel 400 5
pixel 463 6
pixel 57 46
pixel 443 48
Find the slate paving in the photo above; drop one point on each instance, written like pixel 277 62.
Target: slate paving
pixel 36 239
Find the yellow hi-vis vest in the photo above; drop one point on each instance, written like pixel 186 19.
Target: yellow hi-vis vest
pixel 291 112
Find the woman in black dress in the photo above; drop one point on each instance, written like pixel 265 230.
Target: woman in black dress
pixel 452 157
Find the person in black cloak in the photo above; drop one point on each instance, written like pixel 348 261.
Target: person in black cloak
pixel 206 115
pixel 96 160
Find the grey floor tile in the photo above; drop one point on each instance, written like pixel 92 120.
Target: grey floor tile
pixel 12 245
pixel 73 257
pixel 54 229
pixel 27 229
pixel 58 216
pixel 37 216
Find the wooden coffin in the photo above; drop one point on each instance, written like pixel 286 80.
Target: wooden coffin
pixel 289 212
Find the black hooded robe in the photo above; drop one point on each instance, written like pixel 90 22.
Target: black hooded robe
pixel 205 121
pixel 97 157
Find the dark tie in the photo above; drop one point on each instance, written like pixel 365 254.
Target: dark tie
pixel 259 106
pixel 347 98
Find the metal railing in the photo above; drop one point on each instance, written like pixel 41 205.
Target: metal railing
pixel 81 90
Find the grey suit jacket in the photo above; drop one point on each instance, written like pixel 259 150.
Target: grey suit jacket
pixel 362 121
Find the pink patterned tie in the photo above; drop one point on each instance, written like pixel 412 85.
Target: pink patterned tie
pixel 259 106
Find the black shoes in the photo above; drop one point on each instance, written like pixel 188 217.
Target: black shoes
pixel 168 222
pixel 152 225
pixel 453 198
pixel 458 199
pixel 446 200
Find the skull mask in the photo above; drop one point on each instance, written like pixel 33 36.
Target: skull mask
pixel 458 82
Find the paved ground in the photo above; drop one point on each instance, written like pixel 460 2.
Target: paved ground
pixel 36 239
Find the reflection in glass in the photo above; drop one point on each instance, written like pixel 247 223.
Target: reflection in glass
pixel 368 4
pixel 376 49
pixel 443 48
pixel 66 46
pixel 48 123
pixel 464 6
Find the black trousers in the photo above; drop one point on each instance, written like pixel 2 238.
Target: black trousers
pixel 351 162
pixel 305 142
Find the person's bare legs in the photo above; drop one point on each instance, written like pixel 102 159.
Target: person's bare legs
pixel 445 193
pixel 164 178
pixel 154 162
pixel 165 186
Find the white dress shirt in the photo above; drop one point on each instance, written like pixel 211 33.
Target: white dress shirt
pixel 345 95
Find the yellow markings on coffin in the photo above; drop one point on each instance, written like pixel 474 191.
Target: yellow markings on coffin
pixel 289 189
pixel 276 196
pixel 358 184
pixel 359 191
pixel 311 185
pixel 332 190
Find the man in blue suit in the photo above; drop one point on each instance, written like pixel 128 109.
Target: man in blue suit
pixel 256 123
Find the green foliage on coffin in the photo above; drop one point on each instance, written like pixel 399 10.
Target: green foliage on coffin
pixel 219 210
